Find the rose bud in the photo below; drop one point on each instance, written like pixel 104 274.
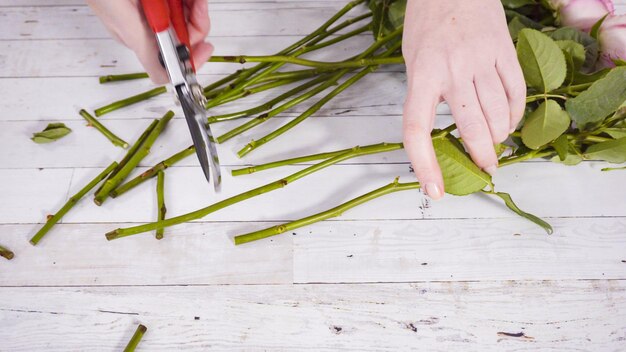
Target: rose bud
pixel 612 37
pixel 581 14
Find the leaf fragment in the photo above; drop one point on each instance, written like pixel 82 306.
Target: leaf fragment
pixel 51 133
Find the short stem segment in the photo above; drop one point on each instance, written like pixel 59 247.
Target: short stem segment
pixel 134 341
pixel 70 204
pixel 6 253
pixel 141 152
pixel 150 173
pixel 123 77
pixel 130 100
pixel 105 131
pixel 160 202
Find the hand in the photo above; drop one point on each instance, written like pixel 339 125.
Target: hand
pixel 125 21
pixel 461 52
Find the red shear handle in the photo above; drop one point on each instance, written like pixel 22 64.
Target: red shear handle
pixel 161 13
pixel 157 13
pixel 177 17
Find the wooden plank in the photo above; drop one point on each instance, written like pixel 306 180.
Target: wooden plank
pixel 482 316
pixel 459 250
pixel 261 19
pixel 85 147
pixel 539 194
pixel 329 252
pixel 87 57
pixel 197 253
pixel 378 94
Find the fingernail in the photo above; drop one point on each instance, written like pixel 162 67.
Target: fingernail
pixel 433 191
pixel 512 130
pixel 491 169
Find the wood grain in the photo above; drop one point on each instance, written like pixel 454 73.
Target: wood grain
pixel 401 273
pixel 564 315
pixel 330 252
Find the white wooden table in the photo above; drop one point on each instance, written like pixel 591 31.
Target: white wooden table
pixel 399 273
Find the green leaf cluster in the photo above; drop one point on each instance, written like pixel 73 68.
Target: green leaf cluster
pixel 575 113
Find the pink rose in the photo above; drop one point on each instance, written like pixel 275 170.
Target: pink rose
pixel 581 14
pixel 612 38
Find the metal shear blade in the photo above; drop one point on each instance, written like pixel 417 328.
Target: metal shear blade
pixel 201 135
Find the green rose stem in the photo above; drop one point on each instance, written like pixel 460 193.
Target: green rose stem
pixel 260 88
pixel 532 98
pixel 6 253
pixel 150 173
pixel 105 131
pixel 318 105
pixel 134 341
pixel 314 157
pixel 131 151
pixel 302 159
pixel 338 39
pixel 535 154
pixel 217 84
pixel 307 44
pixel 311 63
pixel 200 213
pixel 311 39
pixel 395 186
pixel 130 100
pixel 307 73
pixel 269 104
pixel 254 144
pixel 160 202
pixel 327 82
pixel 70 204
pixel 141 152
pixel 123 77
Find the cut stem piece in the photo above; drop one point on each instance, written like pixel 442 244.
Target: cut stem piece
pixel 160 202
pixel 141 152
pixel 105 131
pixel 6 253
pixel 395 186
pixel 134 341
pixel 129 101
pixel 148 174
pixel 70 204
pixel 122 77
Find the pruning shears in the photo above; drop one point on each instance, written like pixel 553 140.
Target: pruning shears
pixel 166 18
